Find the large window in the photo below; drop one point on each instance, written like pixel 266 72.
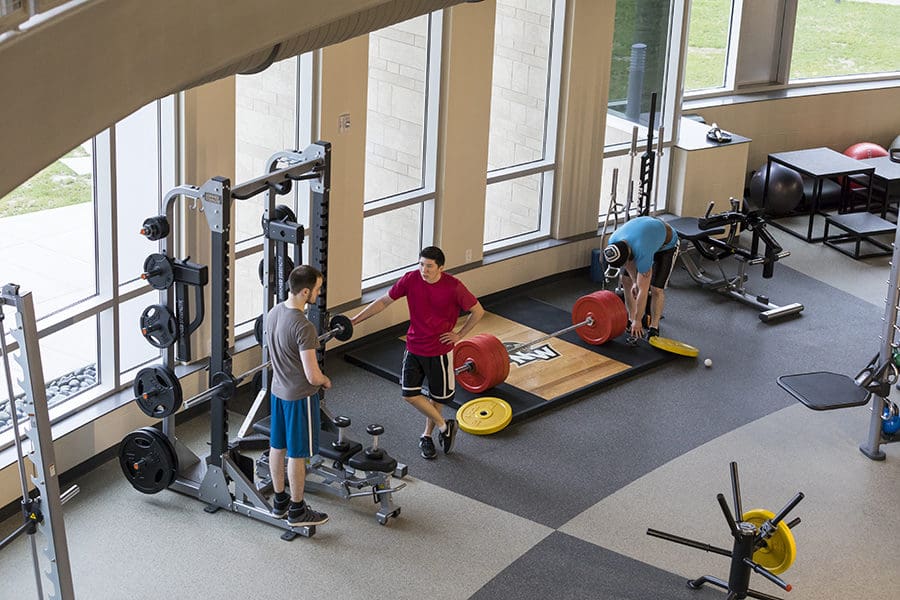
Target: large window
pixel 707 51
pixel 272 114
pixel 839 39
pixel 524 102
pixel 71 238
pixel 646 54
pixel 401 126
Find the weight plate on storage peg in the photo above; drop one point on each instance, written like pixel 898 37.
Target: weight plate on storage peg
pixel 483 416
pixel 780 550
pixel 148 460
pixel 158 326
pixel 157 391
pixel 490 362
pixel 344 325
pixel 158 271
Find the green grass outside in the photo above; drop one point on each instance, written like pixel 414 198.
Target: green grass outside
pixel 53 187
pixel 832 38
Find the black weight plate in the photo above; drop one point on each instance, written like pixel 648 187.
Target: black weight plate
pixel 344 325
pixel 282 213
pixel 158 326
pixel 155 228
pixel 158 271
pixel 148 460
pixel 157 391
pixel 286 269
pixel 258 330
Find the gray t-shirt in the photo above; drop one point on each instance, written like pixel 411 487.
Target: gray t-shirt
pixel 289 333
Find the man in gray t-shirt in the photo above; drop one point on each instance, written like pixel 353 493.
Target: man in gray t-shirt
pixel 294 433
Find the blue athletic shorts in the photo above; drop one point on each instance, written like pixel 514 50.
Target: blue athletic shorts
pixel 295 425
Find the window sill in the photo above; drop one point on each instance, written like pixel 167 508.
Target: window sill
pixel 794 91
pixel 114 401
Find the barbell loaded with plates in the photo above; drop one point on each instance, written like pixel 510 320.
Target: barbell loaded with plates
pixel 482 361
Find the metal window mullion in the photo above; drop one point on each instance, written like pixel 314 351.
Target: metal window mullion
pixel 432 101
pixel 518 171
pixel 106 244
pixel 378 207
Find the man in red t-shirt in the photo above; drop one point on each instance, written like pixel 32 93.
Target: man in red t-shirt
pixel 435 300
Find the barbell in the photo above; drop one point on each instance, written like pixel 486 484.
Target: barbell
pixel 482 361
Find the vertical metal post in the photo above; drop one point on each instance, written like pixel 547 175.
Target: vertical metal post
pixel 871 446
pixel 42 455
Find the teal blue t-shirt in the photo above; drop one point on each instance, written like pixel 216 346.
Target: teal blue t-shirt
pixel 645 236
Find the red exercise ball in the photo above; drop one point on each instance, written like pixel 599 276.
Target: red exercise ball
pixel 865 150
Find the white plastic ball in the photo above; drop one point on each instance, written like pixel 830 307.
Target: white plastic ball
pixel 707 362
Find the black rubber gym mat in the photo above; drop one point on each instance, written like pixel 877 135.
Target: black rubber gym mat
pixel 384 355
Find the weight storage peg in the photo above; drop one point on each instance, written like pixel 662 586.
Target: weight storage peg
pixel 482 361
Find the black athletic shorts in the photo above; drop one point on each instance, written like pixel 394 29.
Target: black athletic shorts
pixel 436 372
pixel 663 263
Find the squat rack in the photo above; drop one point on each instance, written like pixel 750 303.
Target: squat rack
pixel 43 513
pixel 210 480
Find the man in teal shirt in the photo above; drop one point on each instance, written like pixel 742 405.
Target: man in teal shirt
pixel 643 250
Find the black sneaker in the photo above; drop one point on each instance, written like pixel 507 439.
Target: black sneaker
pixel 449 436
pixel 301 515
pixel 426 445
pixel 652 332
pixel 280 503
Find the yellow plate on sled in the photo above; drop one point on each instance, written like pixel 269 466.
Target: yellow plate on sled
pixel 673 346
pixel 780 550
pixel 483 416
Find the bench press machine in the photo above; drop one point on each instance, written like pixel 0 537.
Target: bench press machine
pixel 703 237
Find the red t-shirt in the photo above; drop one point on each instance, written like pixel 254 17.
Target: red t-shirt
pixel 433 309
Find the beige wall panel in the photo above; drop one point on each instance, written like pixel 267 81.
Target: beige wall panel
pixel 583 101
pixel 345 71
pixel 464 123
pixel 831 120
pixel 208 126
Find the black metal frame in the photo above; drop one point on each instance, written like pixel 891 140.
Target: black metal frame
pixel 748 538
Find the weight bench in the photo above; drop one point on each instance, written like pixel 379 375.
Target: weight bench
pixel 858 227
pixel 348 459
pixel 700 237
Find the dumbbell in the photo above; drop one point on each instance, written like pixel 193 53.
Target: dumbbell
pixel 374 452
pixel 341 423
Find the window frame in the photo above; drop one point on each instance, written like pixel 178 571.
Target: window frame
pixel 427 194
pixel 545 166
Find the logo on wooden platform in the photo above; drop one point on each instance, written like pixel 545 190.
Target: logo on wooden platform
pixel 530 355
